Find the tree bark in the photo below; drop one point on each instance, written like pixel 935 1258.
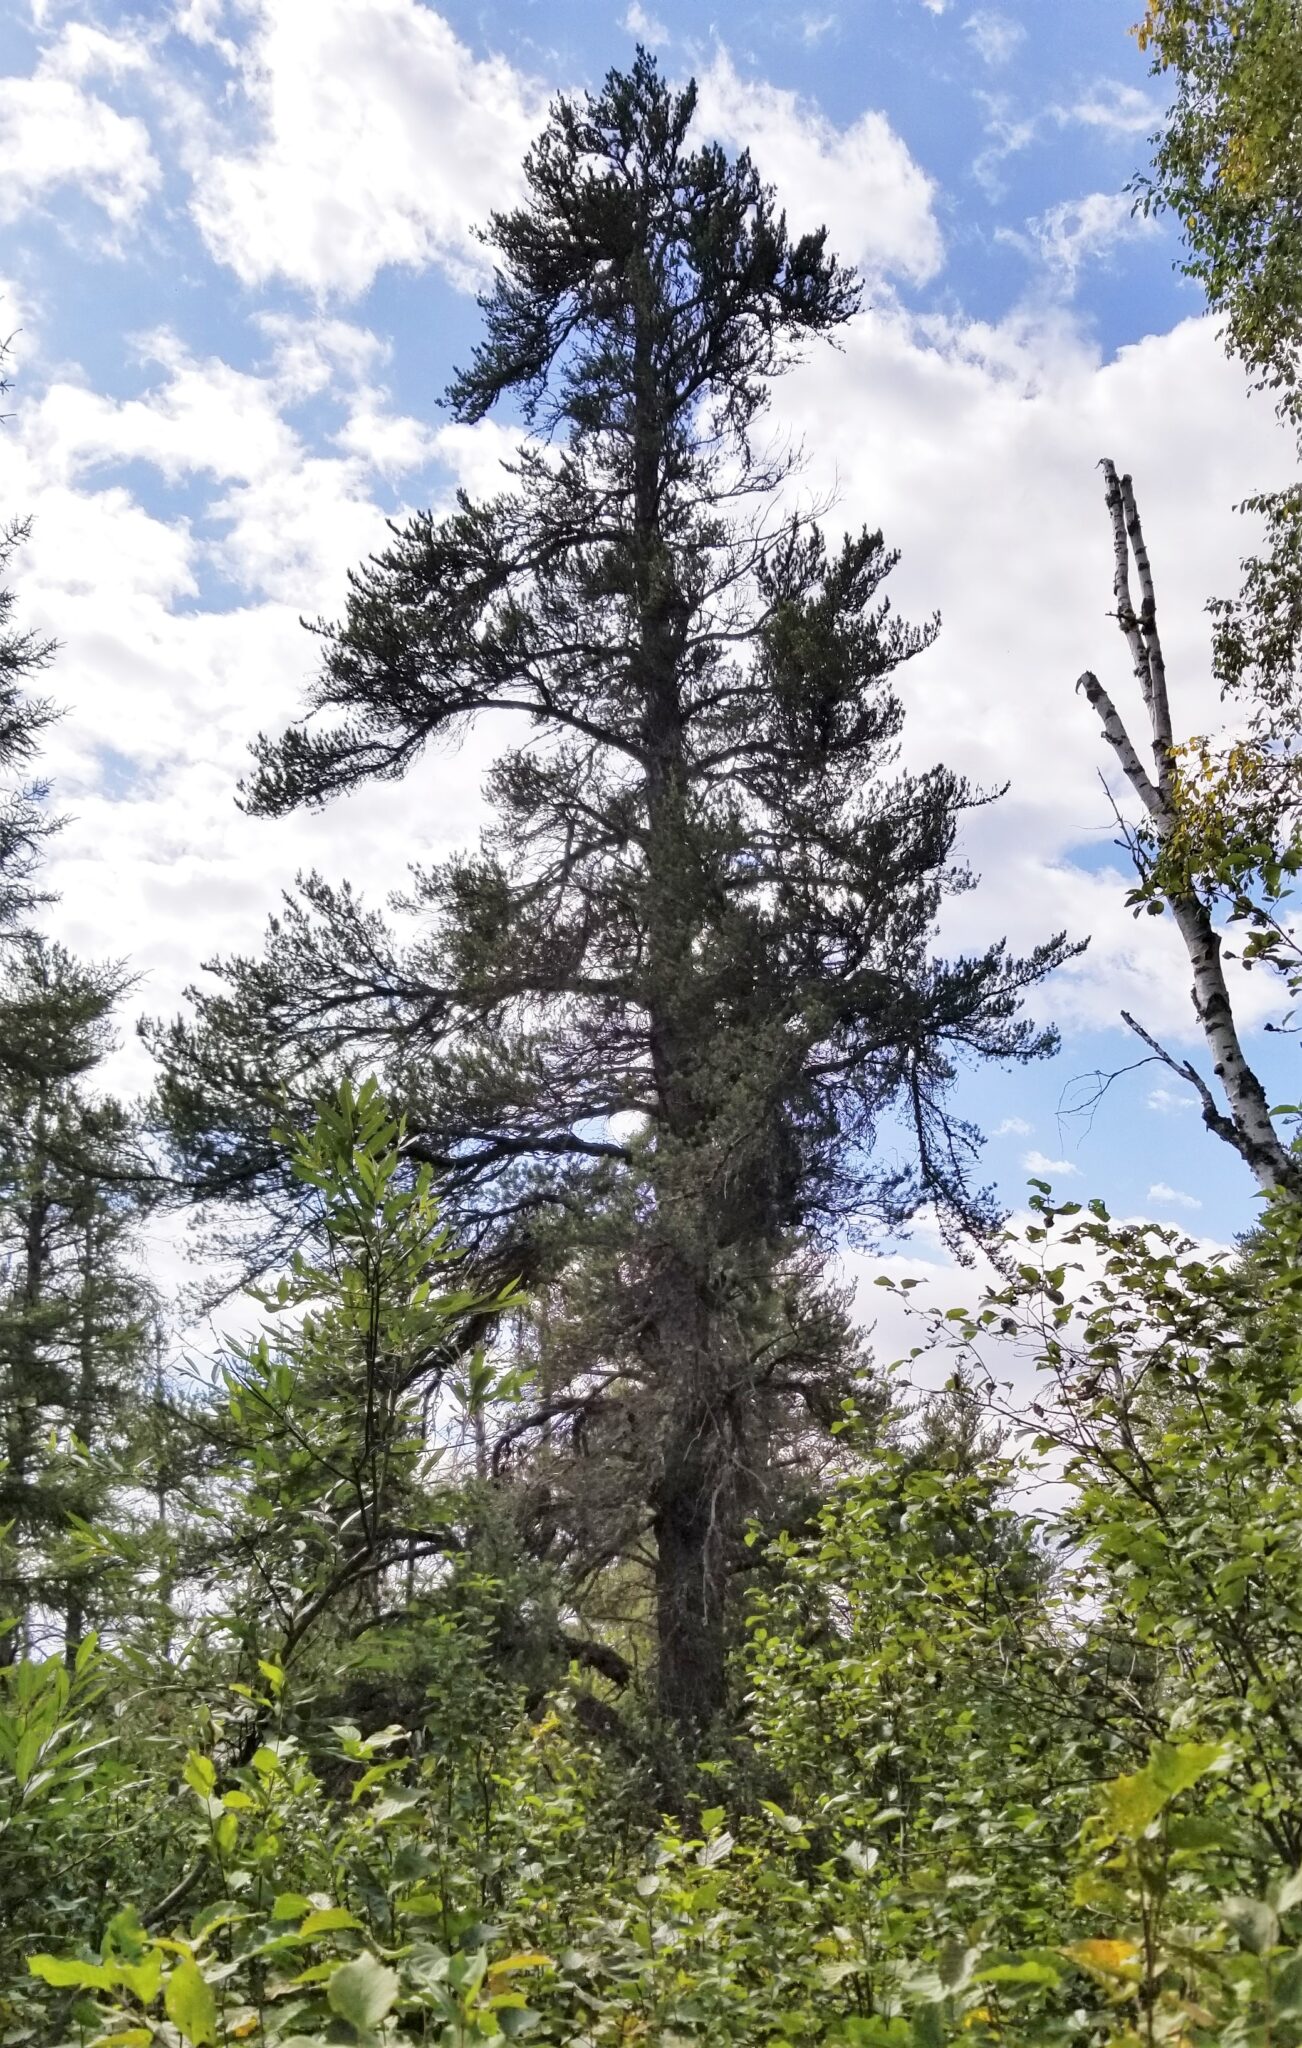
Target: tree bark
pixel 1248 1127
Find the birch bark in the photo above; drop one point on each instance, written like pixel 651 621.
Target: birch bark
pixel 1248 1127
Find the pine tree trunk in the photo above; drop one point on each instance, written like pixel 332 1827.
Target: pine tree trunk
pixel 24 1402
pixel 690 1590
pixel 74 1618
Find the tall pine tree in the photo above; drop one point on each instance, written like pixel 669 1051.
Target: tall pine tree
pixel 648 1034
pixel 74 1308
pixel 24 820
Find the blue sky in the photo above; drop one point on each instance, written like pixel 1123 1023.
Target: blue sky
pixel 235 238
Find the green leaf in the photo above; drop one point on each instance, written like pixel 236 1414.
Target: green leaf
pixel 1131 1804
pixel 1288 1987
pixel 67 1973
pixel 200 1774
pixel 515 2020
pixel 1029 1972
pixel 28 1750
pixel 362 1992
pixel 144 1979
pixel 928 2027
pixel 125 1935
pixel 191 2005
pixel 329 1921
pixel 290 1906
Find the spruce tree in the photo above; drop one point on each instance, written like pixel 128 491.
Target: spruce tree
pixel 74 1307
pixel 24 821
pixel 649 1033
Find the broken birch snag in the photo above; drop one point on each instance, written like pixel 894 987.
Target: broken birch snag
pixel 1247 1126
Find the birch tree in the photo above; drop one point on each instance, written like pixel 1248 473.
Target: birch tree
pixel 1171 859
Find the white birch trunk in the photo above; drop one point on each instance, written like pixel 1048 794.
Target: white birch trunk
pixel 1248 1126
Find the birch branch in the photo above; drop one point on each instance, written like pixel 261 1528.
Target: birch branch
pixel 1213 1115
pixel 1159 709
pixel 1127 617
pixel 1114 732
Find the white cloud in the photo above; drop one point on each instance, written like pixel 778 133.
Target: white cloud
pixel 1040 1163
pixel 1079 231
pixel 973 444
pixel 648 28
pixel 1120 109
pixel 1108 107
pixel 813 28
pixel 1014 1127
pixel 53 132
pixel 378 139
pixel 1165 1102
pixel 993 36
pixel 1172 1197
pixel 200 20
pixel 913 421
pixel 975 447
pixel 163 692
pixel 1009 133
pixel 860 182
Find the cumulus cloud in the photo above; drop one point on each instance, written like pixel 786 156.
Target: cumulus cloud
pixel 1014 1127
pixel 1057 1169
pixel 975 447
pixel 973 443
pixel 376 138
pixel 860 182
pixel 164 683
pixel 55 132
pixel 1167 1197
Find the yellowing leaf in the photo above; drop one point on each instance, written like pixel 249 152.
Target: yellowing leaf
pixel 200 1774
pixel 143 1979
pixel 526 1959
pixel 191 2005
pixel 1112 1958
pixel 66 1973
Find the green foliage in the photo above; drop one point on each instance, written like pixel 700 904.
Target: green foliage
pixel 332 1444
pixel 1228 166
pixel 990 1779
